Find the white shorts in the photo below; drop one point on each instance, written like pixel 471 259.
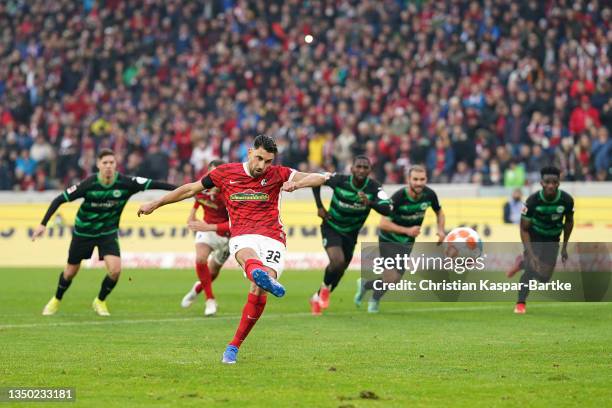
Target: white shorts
pixel 219 245
pixel 270 251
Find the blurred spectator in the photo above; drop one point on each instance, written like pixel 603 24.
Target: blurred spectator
pixel 583 116
pixel 602 153
pixel 475 80
pixel 462 174
pixel 514 176
pixel 513 208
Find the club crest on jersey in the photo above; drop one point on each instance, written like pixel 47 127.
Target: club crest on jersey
pixel 560 209
pixel 116 193
pixel 264 182
pixel 424 206
pixel 249 195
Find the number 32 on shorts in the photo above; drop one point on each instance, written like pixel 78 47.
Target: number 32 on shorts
pixel 273 256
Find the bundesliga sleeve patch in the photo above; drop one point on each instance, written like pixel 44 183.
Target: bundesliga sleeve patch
pixel 382 195
pixel 524 210
pixel 72 189
pixel 140 180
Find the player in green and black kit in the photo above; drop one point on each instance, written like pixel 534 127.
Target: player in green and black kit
pixel 97 223
pixel 546 214
pixel 399 231
pixel 350 206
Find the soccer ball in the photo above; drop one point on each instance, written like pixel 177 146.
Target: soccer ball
pixel 462 242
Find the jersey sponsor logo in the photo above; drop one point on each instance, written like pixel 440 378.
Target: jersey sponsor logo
pixel 555 217
pixel 249 195
pixel 356 206
pixel 560 209
pixel 106 204
pixel 116 193
pixel 72 189
pixel 140 180
pixel 415 216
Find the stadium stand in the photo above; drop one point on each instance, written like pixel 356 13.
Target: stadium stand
pixel 480 91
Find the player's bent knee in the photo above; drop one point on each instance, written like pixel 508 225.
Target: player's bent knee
pixel 114 274
pixel 71 271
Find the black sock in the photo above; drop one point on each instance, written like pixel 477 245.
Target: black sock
pixel 332 277
pixel 107 286
pixel 524 291
pixel 369 285
pixel 62 286
pixel 378 294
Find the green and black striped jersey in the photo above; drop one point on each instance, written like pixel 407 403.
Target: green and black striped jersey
pixel 409 212
pixel 548 217
pixel 347 212
pixel 103 204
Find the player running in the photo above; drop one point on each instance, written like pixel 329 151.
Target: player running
pixel 97 223
pixel 211 243
pixel 398 231
pixel 353 198
pixel 546 214
pixel 251 192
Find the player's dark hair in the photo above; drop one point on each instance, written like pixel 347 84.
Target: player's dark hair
pixel 550 170
pixel 216 163
pixel 266 142
pixel 105 152
pixel 361 157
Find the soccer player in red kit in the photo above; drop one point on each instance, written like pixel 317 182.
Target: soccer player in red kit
pixel 251 192
pixel 211 243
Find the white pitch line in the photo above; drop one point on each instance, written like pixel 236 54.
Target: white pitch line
pixel 109 321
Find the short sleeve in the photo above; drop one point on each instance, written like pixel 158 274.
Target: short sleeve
pixel 76 191
pixel 286 173
pixel 528 209
pixel 333 180
pixel 139 184
pixel 396 198
pixel 569 208
pixel 435 203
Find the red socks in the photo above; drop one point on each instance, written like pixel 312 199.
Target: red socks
pixel 250 314
pixel 250 265
pixel 205 279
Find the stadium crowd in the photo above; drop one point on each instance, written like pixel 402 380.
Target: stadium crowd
pixel 480 91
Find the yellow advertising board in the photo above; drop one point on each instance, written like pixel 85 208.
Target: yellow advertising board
pixel 162 239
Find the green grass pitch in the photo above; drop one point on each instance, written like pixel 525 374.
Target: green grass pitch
pixel 150 352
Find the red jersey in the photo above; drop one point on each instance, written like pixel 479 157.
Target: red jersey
pixel 214 207
pixel 253 203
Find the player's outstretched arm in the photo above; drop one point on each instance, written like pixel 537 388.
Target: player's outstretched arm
pixel 57 201
pixel 441 221
pixel 161 185
pixel 303 180
pixel 178 194
pixel 568 226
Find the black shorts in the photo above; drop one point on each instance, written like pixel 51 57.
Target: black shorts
pixel 546 250
pixel 392 249
pixel 346 241
pixel 82 247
